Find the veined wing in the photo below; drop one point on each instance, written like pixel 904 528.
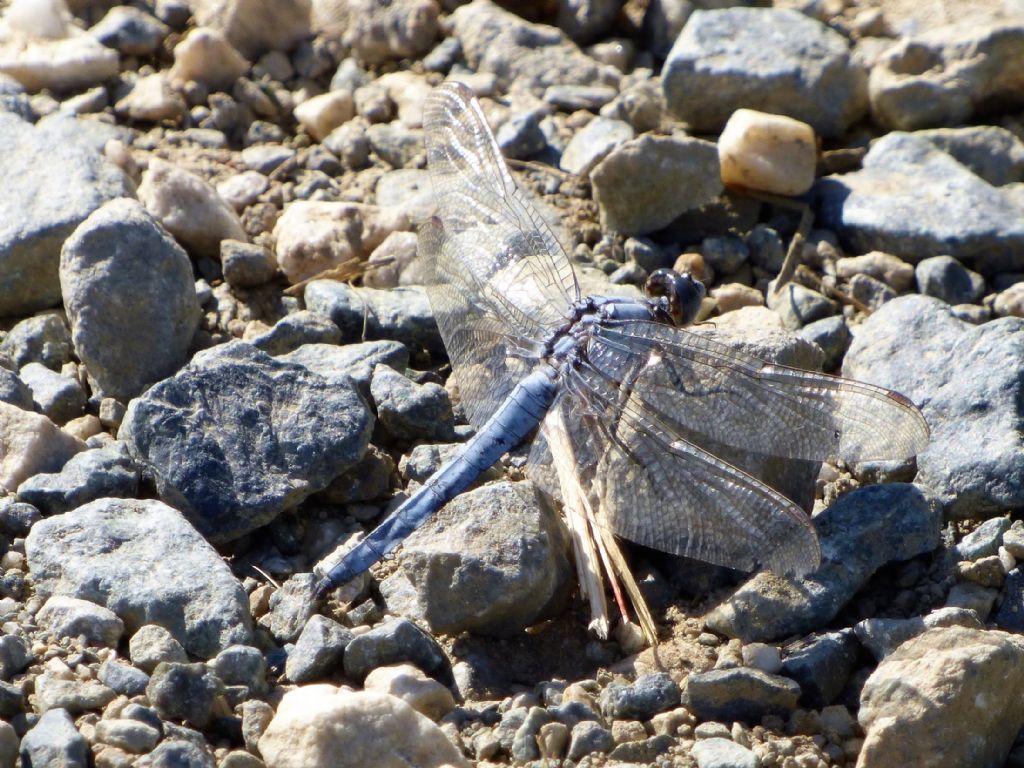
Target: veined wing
pixel 498 278
pixel 703 387
pixel 657 489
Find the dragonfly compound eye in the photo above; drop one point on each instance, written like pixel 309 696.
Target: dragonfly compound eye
pixel 683 291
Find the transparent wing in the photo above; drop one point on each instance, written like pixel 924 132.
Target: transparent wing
pixel 701 387
pixel 656 489
pixel 498 279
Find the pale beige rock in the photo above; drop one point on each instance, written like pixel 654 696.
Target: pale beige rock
pixel 68 64
pixel 770 153
pixel 315 724
pixel 949 697
pixel 39 18
pixel 84 427
pixel 29 444
pixel 313 236
pixel 189 208
pixel 389 260
pixel 891 270
pixel 321 114
pixel 152 99
pixel 1010 303
pixel 243 188
pixel 408 90
pixel 255 26
pixel 732 296
pixel 422 693
pixel 207 57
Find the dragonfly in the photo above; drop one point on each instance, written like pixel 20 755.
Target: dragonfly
pixel 617 393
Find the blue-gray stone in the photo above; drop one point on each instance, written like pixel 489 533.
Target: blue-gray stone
pixel 725 254
pixel 965 380
pixel 821 664
pixel 131 31
pixel 107 472
pixel 864 530
pixel 740 693
pixel 59 398
pixel 14 391
pixel 799 305
pixel 291 606
pixel 12 700
pixel 914 201
pixel 17 518
pixel 241 665
pixel 410 411
pixel 177 753
pixel 773 60
pixel 983 540
pixel 43 339
pixel 833 335
pixel 521 136
pixel 588 737
pixel 15 656
pixel 354 361
pixel 1010 614
pixel 123 679
pixel 524 743
pixel 947 279
pixel 294 330
pixel 640 700
pixel 143 561
pixel 237 437
pixel 991 152
pixel 319 650
pixel 183 692
pixel 394 642
pixel 54 741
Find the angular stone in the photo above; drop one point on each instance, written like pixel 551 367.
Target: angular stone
pixel 29 444
pixel 740 693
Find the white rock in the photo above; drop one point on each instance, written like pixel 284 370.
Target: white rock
pixel 770 153
pixel 39 18
pixel 422 693
pixel 315 724
pixel 408 90
pixel 207 57
pixel 313 236
pixel 70 64
pixel 389 260
pixel 152 99
pixel 243 189
pixel 29 444
pixel 67 616
pixel 255 26
pixel 761 656
pixel 322 114
pixel 189 208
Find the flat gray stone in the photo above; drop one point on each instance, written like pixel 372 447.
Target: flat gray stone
pixel 54 740
pixel 965 380
pixel 740 693
pixel 913 200
pixel 592 143
pixel 55 177
pixel 351 361
pixel 41 339
pixel 237 437
pixel 772 60
pixel 993 153
pixel 143 561
pixel 130 297
pixel 94 474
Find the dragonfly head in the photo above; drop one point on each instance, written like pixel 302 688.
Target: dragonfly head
pixel 680 294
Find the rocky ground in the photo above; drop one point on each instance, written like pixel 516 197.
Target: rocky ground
pixel 217 368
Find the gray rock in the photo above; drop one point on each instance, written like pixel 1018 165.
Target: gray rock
pixel 121 251
pixel 640 104
pixel 74 695
pixel 993 153
pixel 122 679
pixel 177 753
pixel 410 411
pixel 740 693
pixel 870 291
pixel 913 200
pixel 964 378
pixel 152 644
pixel 352 361
pixel 725 254
pixel 14 656
pixel 589 737
pixel 983 540
pixel 54 741
pixel 723 753
pixel 492 561
pixel 379 31
pixel 766 248
pixel 14 391
pixel 798 305
pixel 644 184
pixel 663 21
pixel 1010 614
pixel 586 20
pixel 944 76
pixel 69 617
pixel 570 98
pixel 394 642
pixel 318 651
pixel 883 636
pixel 12 700
pixel 444 55
pixel 533 56
pixel 130 31
pixel 99 473
pixel 183 692
pixel 640 700
pixel 821 664
pixel 833 335
pixel 8 736
pixel 397 145
pixel 295 330
pixel 237 436
pixel 864 530
pixel 291 607
pixel 130 735
pixel 41 339
pixel 241 665
pixel 524 742
pixel 520 136
pixel 56 177
pixel 59 398
pixel 246 265
pixel 974 597
pixel 145 562
pixel 408 191
pixel 773 60
pixel 17 518
pixel 947 279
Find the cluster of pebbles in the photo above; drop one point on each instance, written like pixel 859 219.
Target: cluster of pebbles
pixel 217 369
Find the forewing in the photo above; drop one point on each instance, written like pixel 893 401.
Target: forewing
pixel 705 388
